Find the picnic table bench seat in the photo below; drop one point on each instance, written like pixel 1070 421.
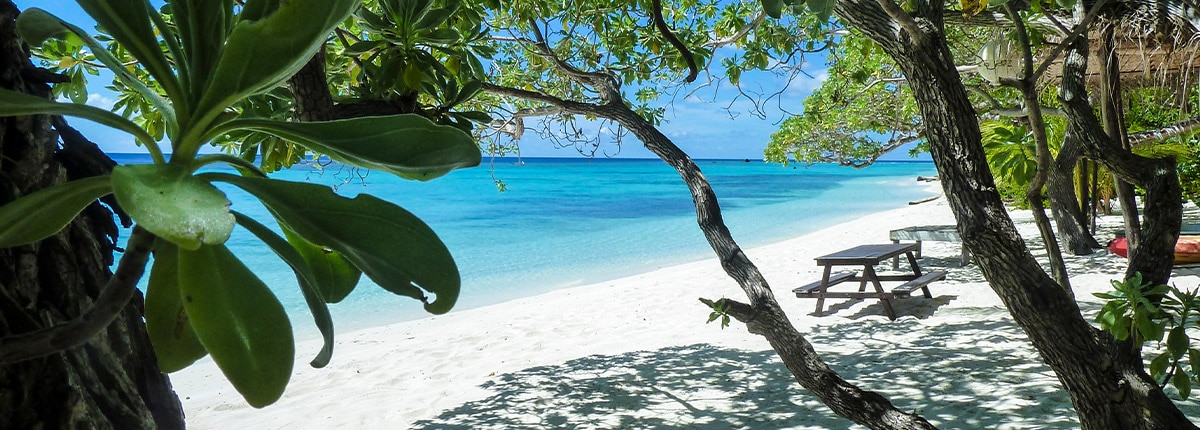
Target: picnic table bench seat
pixel 920 283
pixel 815 287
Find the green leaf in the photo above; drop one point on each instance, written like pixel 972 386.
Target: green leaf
pixel 171 203
pixel 308 284
pixel 36 26
pixel 13 103
pixel 1148 328
pixel 170 329
pixel 390 245
pixel 1194 359
pixel 1158 366
pixel 202 31
pixel 128 21
pixel 1177 342
pixel 773 8
pixel 335 276
pixel 1182 382
pixel 1121 327
pixel 248 66
pixel 365 46
pixel 41 214
pixel 104 56
pixel 239 321
pixel 822 8
pixel 409 146
pixel 477 116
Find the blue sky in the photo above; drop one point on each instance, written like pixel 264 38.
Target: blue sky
pixel 706 127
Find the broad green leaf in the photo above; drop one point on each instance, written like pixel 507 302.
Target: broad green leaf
pixel 1158 366
pixel 312 295
pixel 363 47
pixel 36 26
pixel 1194 359
pixel 249 65
pixel 1177 342
pixel 1148 328
pixel 128 21
pixel 239 321
pixel 202 31
pixel 410 146
pixel 1121 328
pixel 41 214
pixel 170 329
pixel 822 8
pixel 14 103
pixel 1159 290
pixel 390 245
pixel 773 8
pixel 171 203
pixel 257 9
pixel 335 277
pixel 1182 382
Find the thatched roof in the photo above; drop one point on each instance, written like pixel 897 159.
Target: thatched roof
pixel 1156 41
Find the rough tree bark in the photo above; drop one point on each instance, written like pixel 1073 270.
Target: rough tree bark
pixel 113 381
pixel 1060 188
pixel 1107 384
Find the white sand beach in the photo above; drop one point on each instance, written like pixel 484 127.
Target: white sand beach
pixel 636 353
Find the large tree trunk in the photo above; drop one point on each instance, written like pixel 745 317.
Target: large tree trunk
pixel 1108 386
pixel 1064 203
pixel 113 381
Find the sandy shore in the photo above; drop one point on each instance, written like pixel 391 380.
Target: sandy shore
pixel 635 353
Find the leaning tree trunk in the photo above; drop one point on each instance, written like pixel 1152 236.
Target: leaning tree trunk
pixel 1107 385
pixel 113 381
pixel 763 316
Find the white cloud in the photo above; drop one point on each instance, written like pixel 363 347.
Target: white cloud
pixel 101 101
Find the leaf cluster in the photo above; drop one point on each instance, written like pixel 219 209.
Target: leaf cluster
pixel 1141 312
pixel 193 71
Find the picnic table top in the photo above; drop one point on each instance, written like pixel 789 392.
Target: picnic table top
pixel 866 254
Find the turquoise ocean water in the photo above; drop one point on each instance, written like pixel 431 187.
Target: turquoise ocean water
pixel 572 221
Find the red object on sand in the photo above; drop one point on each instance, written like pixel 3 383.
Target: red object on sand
pixel 1187 248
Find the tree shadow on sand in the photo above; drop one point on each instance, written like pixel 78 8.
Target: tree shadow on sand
pixel 977 374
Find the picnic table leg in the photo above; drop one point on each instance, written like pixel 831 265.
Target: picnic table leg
pixel 917 271
pixel 821 291
pixel 912 262
pixel 896 259
pixel 869 272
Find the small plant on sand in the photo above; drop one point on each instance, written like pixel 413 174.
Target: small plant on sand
pixel 1143 312
pixel 201 57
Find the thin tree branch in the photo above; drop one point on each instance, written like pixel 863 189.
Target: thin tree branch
pixel 1080 29
pixel 1186 126
pixel 605 84
pixel 104 310
pixel 661 25
pixel 563 106
pixel 742 32
pixel 905 20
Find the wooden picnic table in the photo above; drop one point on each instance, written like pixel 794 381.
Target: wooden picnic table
pixel 868 256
